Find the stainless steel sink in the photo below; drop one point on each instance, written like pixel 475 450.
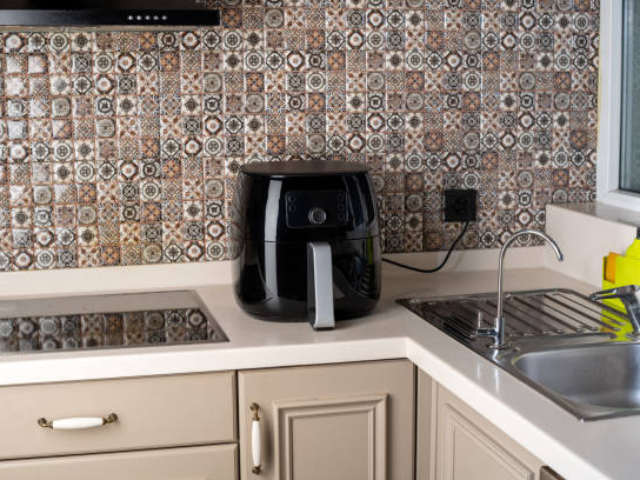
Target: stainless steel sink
pixel 606 378
pixel 573 350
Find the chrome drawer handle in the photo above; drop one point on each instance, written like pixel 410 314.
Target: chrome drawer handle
pixel 255 440
pixel 77 423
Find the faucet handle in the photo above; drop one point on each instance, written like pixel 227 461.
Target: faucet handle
pixel 628 295
pixel 618 292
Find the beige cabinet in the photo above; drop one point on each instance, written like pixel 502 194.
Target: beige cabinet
pixel 195 463
pixel 195 414
pixel 152 412
pixel 352 421
pixel 548 474
pixel 467 443
pixel 460 444
pixel 426 423
pixel 340 422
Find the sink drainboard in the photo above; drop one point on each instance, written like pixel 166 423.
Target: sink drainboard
pixel 533 313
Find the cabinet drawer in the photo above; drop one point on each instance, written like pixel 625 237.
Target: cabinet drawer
pixel 194 463
pixel 152 412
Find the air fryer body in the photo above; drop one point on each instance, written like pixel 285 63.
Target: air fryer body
pixel 279 210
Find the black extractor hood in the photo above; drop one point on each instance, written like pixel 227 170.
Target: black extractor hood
pixel 95 13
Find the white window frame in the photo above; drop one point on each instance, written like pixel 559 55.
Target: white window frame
pixel 610 110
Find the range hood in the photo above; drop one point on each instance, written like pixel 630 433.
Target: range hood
pixel 93 13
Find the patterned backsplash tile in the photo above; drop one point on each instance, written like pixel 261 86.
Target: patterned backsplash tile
pixel 121 148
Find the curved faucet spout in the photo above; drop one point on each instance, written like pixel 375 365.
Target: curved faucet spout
pixel 552 243
pixel 498 331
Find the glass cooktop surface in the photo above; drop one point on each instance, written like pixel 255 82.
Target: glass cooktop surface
pixel 106 321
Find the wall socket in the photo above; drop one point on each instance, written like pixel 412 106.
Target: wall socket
pixel 460 205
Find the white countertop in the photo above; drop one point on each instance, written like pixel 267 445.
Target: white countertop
pixel 602 449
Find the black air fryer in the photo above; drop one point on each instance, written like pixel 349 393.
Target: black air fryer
pixel 306 241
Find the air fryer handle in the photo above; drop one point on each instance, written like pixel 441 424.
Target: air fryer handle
pixel 320 286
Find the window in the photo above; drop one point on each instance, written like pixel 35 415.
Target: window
pixel 618 169
pixel 630 124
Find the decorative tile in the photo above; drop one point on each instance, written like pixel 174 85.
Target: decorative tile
pixel 121 147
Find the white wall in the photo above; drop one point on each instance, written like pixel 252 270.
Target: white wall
pixel 586 233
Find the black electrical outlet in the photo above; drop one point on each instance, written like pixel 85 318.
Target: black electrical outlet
pixel 460 205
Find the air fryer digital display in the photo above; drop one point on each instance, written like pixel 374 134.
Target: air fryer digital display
pixel 316 208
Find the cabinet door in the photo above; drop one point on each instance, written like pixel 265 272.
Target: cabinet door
pixel 469 447
pixel 342 422
pixel 193 463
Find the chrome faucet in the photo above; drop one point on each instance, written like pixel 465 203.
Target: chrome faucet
pixel 497 333
pixel 628 295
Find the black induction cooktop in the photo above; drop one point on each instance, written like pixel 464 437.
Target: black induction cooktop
pixel 106 321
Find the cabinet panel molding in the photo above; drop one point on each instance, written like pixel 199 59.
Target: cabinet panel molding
pixel 464 445
pixel 372 409
pixel 470 447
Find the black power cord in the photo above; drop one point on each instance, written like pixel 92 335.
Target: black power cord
pixel 439 267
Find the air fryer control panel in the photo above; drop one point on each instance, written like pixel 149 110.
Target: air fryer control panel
pixel 316 208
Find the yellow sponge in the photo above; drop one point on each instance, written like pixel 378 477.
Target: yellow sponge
pixel 610 267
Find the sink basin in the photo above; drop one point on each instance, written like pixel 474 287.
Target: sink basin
pixel 599 376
